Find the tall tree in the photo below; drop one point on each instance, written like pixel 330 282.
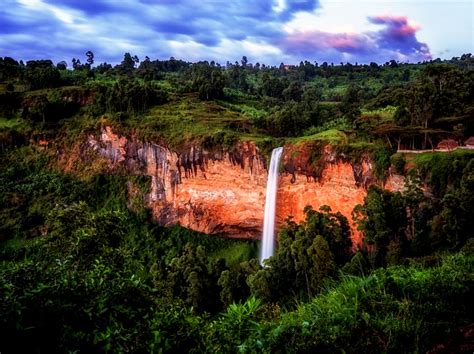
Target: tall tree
pixel 90 59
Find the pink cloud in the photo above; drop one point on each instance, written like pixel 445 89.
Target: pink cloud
pixel 397 40
pixel 318 40
pixel 398 26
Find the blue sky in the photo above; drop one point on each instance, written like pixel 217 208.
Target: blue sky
pixel 266 31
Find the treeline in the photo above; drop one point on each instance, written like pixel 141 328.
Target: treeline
pixel 432 101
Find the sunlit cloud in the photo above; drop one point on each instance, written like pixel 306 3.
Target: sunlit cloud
pixel 397 40
pixel 270 31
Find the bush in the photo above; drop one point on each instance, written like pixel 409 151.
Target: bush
pixel 381 159
pixel 398 162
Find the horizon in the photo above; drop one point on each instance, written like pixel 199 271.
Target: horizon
pixel 269 32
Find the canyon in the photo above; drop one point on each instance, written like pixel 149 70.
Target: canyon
pixel 223 192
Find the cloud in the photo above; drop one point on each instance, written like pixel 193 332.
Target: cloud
pixel 193 30
pixel 90 8
pixel 400 34
pixel 288 8
pixel 397 40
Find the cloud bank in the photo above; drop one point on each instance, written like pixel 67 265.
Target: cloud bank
pixel 194 30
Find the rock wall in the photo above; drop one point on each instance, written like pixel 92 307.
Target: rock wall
pixel 224 192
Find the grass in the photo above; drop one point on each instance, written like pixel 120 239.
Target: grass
pixel 72 128
pixel 51 92
pixel 241 102
pixel 331 136
pixel 383 115
pixel 187 119
pixel 239 251
pixel 430 156
pixel 14 123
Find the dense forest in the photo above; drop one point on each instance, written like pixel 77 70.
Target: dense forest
pixel 86 269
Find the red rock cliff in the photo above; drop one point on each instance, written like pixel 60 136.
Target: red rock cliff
pixel 224 192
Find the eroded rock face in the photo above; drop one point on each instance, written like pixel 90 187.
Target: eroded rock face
pixel 208 191
pixel 224 192
pixel 336 188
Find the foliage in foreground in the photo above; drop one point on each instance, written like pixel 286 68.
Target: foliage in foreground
pixel 399 309
pixel 67 304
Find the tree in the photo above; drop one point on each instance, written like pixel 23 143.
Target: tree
pixel 293 92
pixel 103 68
pixel 335 229
pixel 402 116
pixel 90 59
pixel 41 74
pixel 76 64
pixel 127 65
pixel 413 195
pixel 382 218
pixel 351 102
pixel 227 283
pixel 307 253
pixel 194 286
pixel 62 65
pixel 287 121
pixel 207 80
pixel 9 68
pixel 272 86
pixel 454 224
pixel 129 97
pixel 322 262
pixel 394 253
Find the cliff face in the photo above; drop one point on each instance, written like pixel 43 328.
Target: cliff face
pixel 336 188
pixel 208 191
pixel 321 180
pixel 217 192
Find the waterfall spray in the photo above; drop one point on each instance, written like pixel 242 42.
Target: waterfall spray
pixel 268 238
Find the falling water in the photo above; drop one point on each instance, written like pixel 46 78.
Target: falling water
pixel 268 239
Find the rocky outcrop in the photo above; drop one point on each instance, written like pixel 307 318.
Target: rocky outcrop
pixel 395 183
pixel 224 192
pixel 208 191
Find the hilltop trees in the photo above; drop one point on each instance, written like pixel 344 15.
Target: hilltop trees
pixel 41 74
pixel 207 80
pixel 127 66
pixel 130 97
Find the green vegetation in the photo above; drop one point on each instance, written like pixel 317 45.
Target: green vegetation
pixel 179 102
pixel 84 268
pixel 331 136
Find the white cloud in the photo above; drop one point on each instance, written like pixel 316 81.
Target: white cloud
pixel 65 16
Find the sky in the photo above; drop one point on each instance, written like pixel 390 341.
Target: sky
pixel 266 31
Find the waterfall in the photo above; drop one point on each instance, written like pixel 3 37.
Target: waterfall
pixel 268 237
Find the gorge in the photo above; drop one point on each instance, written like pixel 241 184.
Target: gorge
pixel 223 192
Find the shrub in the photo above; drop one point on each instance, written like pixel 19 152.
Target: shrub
pixel 398 162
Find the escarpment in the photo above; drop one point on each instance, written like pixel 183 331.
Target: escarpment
pixel 223 192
